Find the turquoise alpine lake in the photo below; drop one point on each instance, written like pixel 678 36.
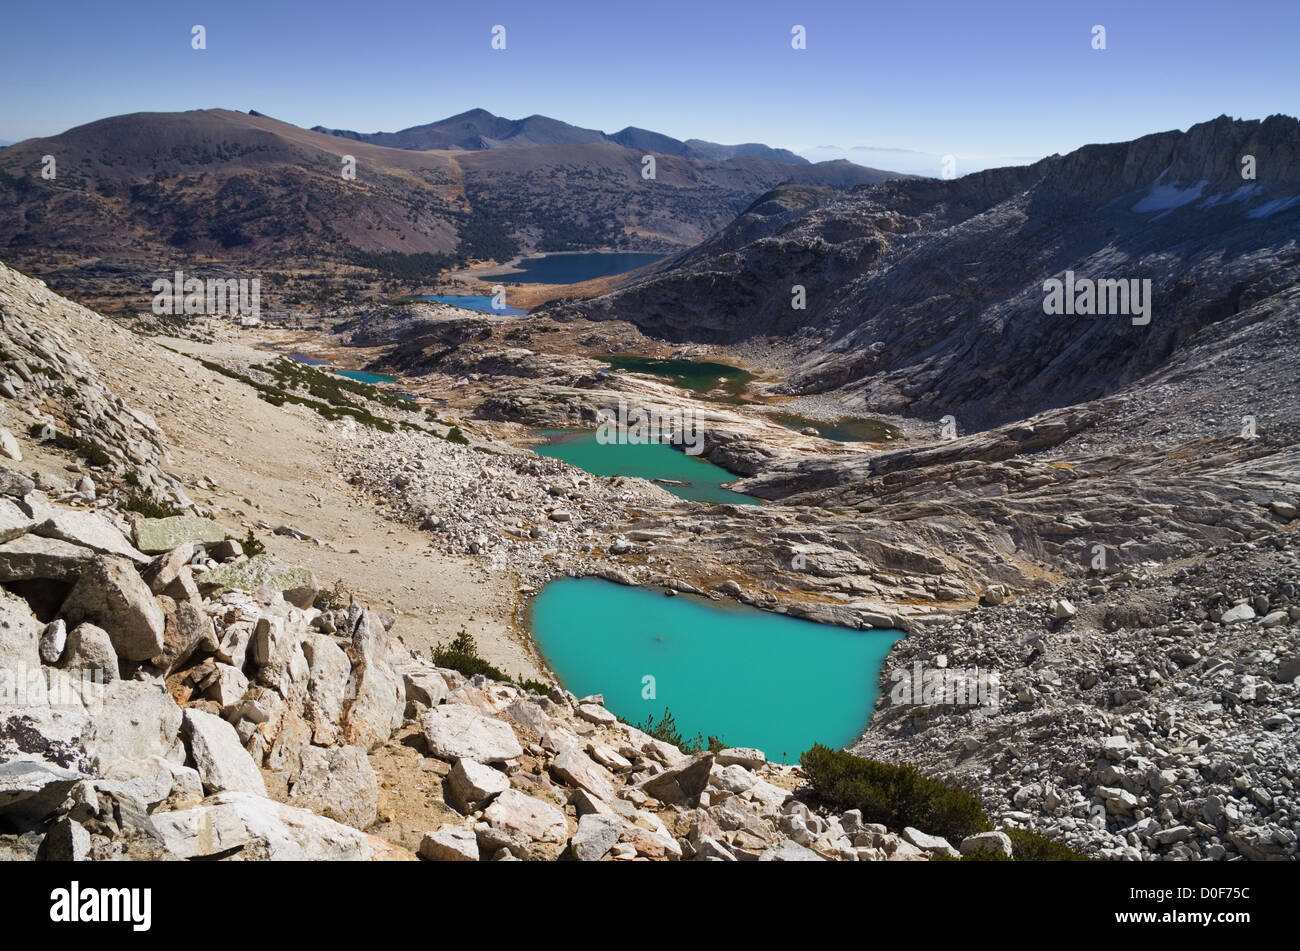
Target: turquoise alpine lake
pixel 745 676
pixel 687 477
pixel 364 377
pixel 361 376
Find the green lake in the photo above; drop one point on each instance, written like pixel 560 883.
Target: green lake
pixel 847 429
pixel 745 676
pixel 700 376
pixel 654 460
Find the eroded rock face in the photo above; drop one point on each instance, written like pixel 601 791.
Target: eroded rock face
pixel 20 636
pixel 378 694
pixel 186 627
pixel 450 845
pixel 156 535
pixel 327 689
pixel 521 815
pixel 133 721
pixel 90 648
pixel 596 835
pixel 472 785
pixel 87 529
pixel 31 557
pixel 683 783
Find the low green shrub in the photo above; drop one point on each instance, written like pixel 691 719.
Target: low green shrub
pixel 252 545
pixel 462 655
pixel 665 729
pixel 1028 846
pixel 895 794
pixel 148 506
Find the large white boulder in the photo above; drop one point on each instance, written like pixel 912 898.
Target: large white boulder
pixel 456 731
pixel 223 764
pixel 260 828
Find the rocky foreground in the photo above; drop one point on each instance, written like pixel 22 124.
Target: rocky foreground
pixel 1148 713
pixel 202 703
pixel 1147 700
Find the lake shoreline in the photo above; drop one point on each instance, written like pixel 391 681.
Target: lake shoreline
pixel 658 657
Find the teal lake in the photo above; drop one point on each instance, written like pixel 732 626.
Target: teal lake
pixel 364 377
pixel 703 480
pixel 748 677
pixel 360 375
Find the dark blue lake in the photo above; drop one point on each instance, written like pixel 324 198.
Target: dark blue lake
pixel 579 266
pixel 481 304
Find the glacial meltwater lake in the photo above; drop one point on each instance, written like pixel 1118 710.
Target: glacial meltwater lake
pixel 745 676
pixel 702 480
pixel 362 376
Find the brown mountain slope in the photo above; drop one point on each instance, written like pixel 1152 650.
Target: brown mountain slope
pixel 138 195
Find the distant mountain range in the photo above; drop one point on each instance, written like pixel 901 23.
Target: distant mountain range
pixel 478 130
pixel 156 189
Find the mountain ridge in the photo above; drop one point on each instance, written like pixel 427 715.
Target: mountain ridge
pixel 479 129
pixel 248 190
pixel 926 295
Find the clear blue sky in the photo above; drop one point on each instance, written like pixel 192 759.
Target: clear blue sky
pixel 979 80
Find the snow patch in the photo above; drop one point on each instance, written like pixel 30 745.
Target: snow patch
pixel 1273 207
pixel 1165 198
pixel 1223 198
